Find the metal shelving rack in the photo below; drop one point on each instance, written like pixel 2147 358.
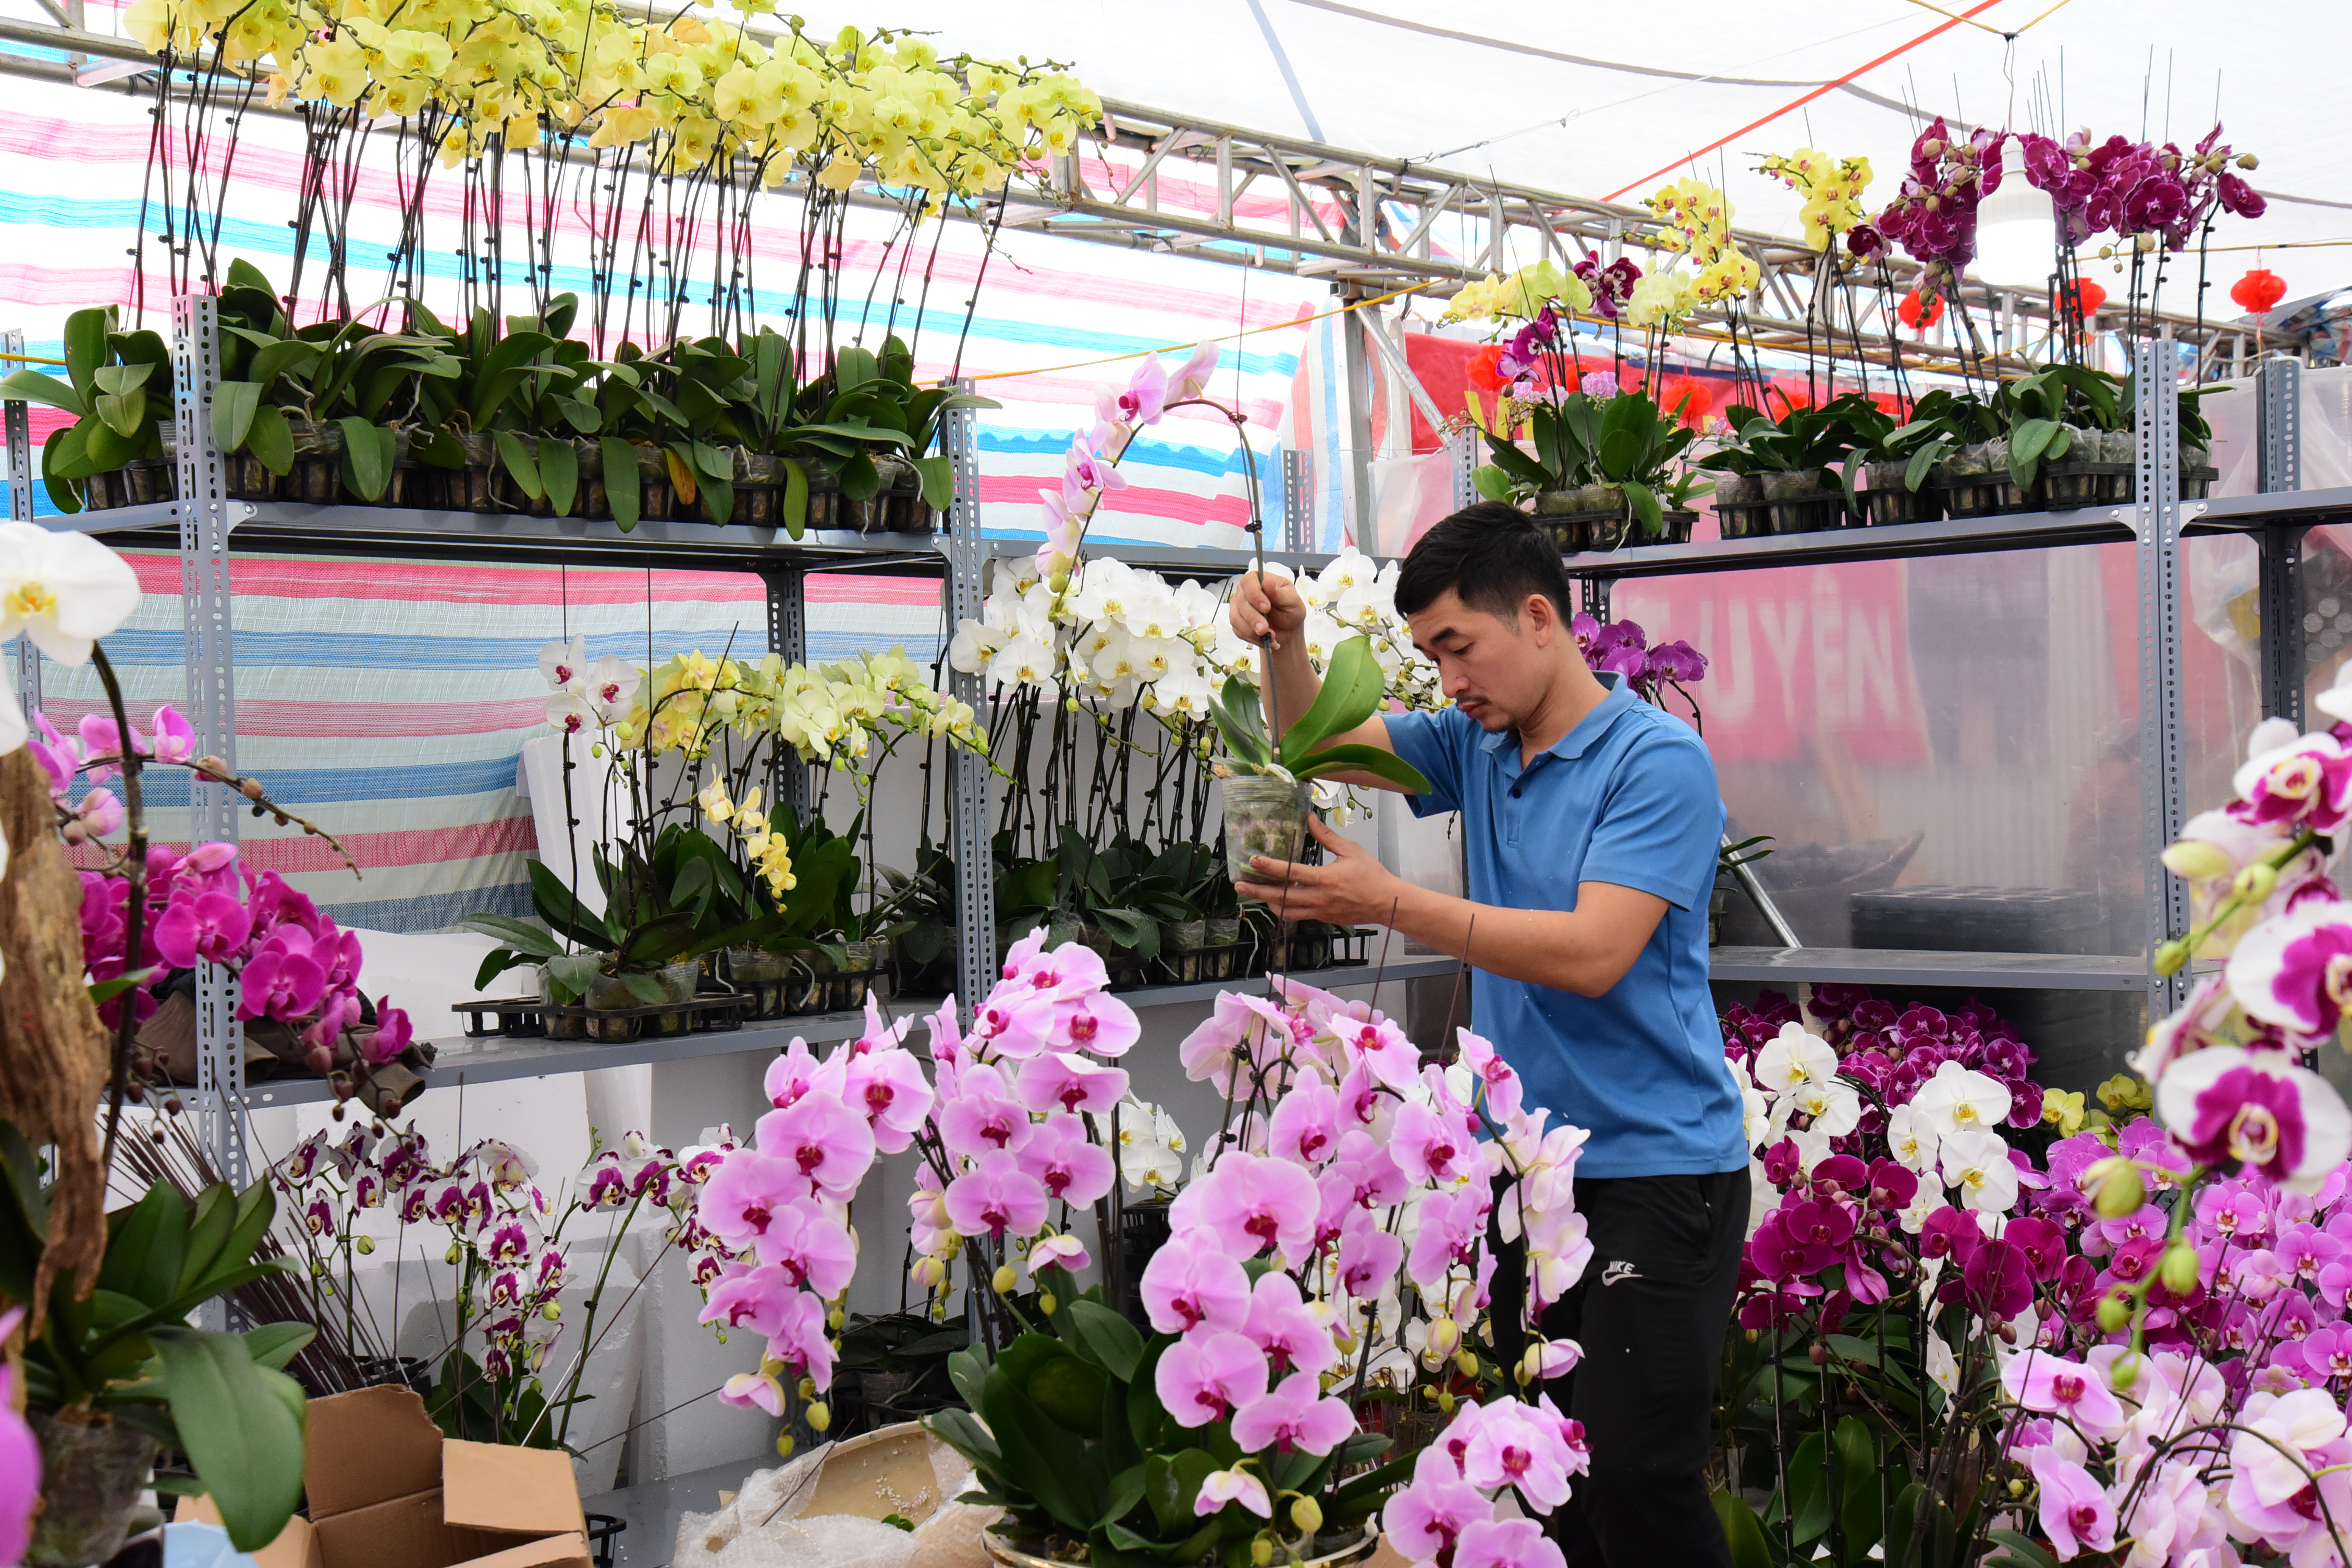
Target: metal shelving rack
pixel 2155 524
pixel 205 528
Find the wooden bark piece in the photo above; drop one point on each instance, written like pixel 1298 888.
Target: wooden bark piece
pixel 53 1050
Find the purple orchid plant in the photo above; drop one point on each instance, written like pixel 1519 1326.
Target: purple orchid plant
pixel 1624 648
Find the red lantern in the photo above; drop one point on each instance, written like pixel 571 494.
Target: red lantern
pixel 2084 295
pixel 2259 290
pixel 1483 371
pixel 1919 312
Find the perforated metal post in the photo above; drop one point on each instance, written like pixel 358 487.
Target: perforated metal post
pixel 204 518
pixel 2278 384
pixel 1596 598
pixel 968 776
pixel 1463 447
pixel 17 416
pixel 1298 499
pixel 2156 416
pixel 788 640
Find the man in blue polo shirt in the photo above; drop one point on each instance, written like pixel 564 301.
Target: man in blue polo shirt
pixel 1589 828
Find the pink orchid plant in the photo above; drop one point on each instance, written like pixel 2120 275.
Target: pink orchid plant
pixel 1090 467
pixel 1329 1253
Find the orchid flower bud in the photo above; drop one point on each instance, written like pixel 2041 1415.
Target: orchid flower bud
pixel 2257 882
pixel 1307 1515
pixel 2117 1192
pixel 1466 1361
pixel 784 1446
pixel 2179 1267
pixel 2114 1311
pixel 2170 956
pixel 2198 859
pixel 366 1245
pixel 1046 1304
pixel 818 1417
pixel 1003 1281
pixel 1445 1337
pixel 2124 1373
pixel 1261 1552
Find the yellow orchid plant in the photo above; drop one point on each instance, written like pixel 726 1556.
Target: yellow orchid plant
pixel 695 93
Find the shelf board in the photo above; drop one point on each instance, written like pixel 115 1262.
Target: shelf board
pixel 498 1060
pixel 293 528
pixel 2283 509
pixel 1910 966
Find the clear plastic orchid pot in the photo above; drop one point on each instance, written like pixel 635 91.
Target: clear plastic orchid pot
pixel 677 981
pixel 1264 815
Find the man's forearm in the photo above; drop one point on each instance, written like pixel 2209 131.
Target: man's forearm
pixel 1558 948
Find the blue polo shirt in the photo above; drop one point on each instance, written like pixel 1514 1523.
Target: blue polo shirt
pixel 1629 797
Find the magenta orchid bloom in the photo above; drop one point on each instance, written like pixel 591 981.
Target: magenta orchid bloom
pixel 1084 469
pixel 1074 1170
pixel 1294 1415
pixel 744 1195
pixel 1219 1488
pixel 282 981
pixel 1369 1257
pixel 830 1144
pixel 2294 971
pixel 1432 1149
pixel 1102 1024
pixel 1193 375
pixel 889 1088
pixel 1063 1252
pixel 2227 1104
pixel 1192 1280
pixel 1143 400
pixel 102 746
pixel 1305 1128
pixel 982 1116
pixel 1015 1024
pixel 2306 783
pixel 2040 1381
pixel 1507 1543
pixel 1426 1516
pixel 1291 1336
pixel 1203 1377
pixel 1067 1081
pixel 175 740
pixel 2075 1514
pixel 1250 1204
pixel 100 813
pixel 996 1195
pixel 1512 1446
pixel 809 1247
pixel 208 926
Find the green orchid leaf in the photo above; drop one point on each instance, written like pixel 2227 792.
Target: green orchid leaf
pixel 85 348
pixel 1352 691
pixel 559 472
pixel 367 468
pixel 795 497
pixel 125 413
pixel 234 405
pixel 938 481
pixel 243 1437
pixel 624 494
pixel 32 386
pixel 520 464
pixel 273 1345
pixel 1373 760
pixel 271 439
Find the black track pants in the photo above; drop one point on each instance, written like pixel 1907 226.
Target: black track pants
pixel 1650 1313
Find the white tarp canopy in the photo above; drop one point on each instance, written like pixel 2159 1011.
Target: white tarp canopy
pixel 1589 101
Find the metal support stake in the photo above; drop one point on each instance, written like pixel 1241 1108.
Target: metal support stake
pixel 968 776
pixel 1463 447
pixel 205 520
pixel 16 414
pixel 2278 411
pixel 788 640
pixel 1596 598
pixel 2157 417
pixel 1298 499
pixel 1360 426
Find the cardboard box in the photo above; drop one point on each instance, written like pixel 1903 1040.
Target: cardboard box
pixel 387 1490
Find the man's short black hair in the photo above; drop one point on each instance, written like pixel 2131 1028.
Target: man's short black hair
pixel 1493 555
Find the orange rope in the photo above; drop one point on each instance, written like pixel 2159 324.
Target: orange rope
pixel 1800 104
pixel 1226 338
